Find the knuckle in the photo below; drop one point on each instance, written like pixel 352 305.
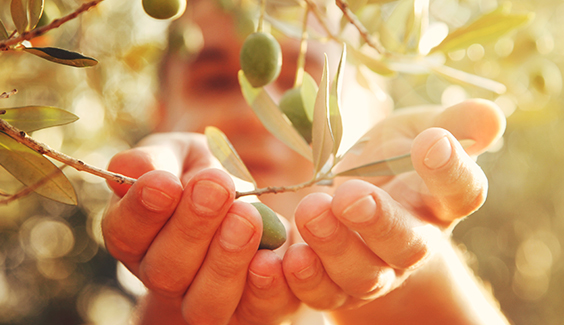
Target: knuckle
pixel 370 287
pixel 161 281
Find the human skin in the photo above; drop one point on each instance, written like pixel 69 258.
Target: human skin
pixel 180 230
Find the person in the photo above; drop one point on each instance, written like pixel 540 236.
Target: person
pixel 364 251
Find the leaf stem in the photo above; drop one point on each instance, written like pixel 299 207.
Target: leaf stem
pixel 261 16
pixel 77 164
pixel 26 36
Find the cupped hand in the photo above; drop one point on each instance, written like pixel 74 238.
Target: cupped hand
pixel 365 240
pixel 179 230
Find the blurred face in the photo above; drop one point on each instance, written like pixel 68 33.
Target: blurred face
pixel 204 91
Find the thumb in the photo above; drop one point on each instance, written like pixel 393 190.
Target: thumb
pixel 456 185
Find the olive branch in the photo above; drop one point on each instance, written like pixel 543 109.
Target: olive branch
pixel 26 158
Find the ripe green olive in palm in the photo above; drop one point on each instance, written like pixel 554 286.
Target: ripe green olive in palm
pixel 164 9
pixel 293 105
pixel 273 231
pixel 260 59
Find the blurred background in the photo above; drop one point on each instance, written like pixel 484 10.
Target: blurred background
pixel 55 270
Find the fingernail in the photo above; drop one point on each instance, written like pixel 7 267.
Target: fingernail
pixel 155 200
pixel 361 211
pixel 323 225
pixel 236 232
pixel 306 273
pixel 439 154
pixel 209 196
pixel 260 281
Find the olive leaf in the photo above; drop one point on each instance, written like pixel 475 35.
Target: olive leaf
pixel 272 118
pixel 223 150
pixel 62 56
pixel 19 15
pixel 485 28
pixel 386 167
pixel 371 63
pixel 394 31
pixel 30 167
pixel 3 32
pixel 322 139
pixel 32 118
pixel 35 11
pixel 391 166
pixel 467 78
pixel 335 103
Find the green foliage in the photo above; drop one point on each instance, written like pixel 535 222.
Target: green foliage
pixel 223 150
pixel 62 56
pixel 32 118
pixel 31 168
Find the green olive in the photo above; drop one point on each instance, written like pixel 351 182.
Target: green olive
pixel 292 104
pixel 273 231
pixel 261 59
pixel 164 9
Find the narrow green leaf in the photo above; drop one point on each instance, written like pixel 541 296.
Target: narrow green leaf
pixel 62 56
pixel 371 63
pixel 486 28
pixel 467 78
pixel 335 103
pixel 19 15
pixel 32 118
pixel 30 167
pixel 322 139
pixel 272 118
pixel 35 12
pixel 386 167
pixel 389 167
pixel 223 150
pixel 3 32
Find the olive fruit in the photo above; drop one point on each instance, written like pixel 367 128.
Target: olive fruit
pixel 292 104
pixel 260 59
pixel 273 231
pixel 164 9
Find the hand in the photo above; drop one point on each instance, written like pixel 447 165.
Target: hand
pixel 364 241
pixel 181 233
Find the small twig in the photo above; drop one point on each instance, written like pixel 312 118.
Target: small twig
pixel 351 17
pixel 26 36
pixel 28 189
pixel 281 189
pixel 319 16
pixel 7 94
pixel 77 164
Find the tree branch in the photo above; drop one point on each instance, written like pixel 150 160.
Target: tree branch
pixel 351 17
pixel 26 36
pixel 77 164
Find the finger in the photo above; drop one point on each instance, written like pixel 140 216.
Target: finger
pixel 267 299
pixel 477 119
pixel 182 154
pixel 345 257
pixel 180 247
pixel 216 290
pixel 131 223
pixel 455 186
pixel 386 227
pixel 309 281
